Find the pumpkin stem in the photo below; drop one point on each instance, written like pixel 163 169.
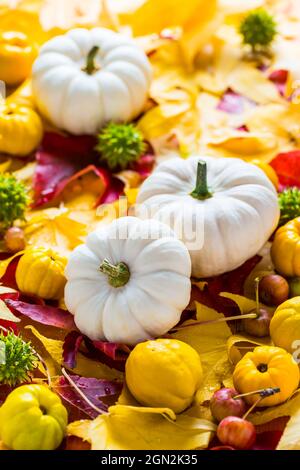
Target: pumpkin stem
pixel 90 62
pixel 118 275
pixel 201 190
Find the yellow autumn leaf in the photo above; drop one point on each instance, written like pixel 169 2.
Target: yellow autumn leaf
pixel 138 428
pixel 243 77
pixel 236 7
pixel 163 118
pixel 76 13
pixel 196 18
pixel 289 408
pixel 210 341
pixel 244 144
pixel 84 366
pixel 27 22
pixel 5 313
pixel 282 121
pixel 245 305
pixel 6 262
pixel 54 227
pixel 290 439
pixel 4 166
pixel 238 345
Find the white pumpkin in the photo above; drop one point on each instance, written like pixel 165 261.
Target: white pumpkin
pixel 224 224
pixel 86 78
pixel 129 282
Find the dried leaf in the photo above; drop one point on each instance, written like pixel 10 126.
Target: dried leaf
pixel 290 439
pixel 289 408
pixel 95 390
pixel 210 341
pixel 287 167
pixel 238 345
pixel 153 16
pixel 137 428
pixel 43 314
pixel 55 228
pixel 71 347
pixel 84 366
pixel 6 314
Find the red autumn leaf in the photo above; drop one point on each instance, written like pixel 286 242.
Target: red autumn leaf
pixel 9 278
pixel 9 325
pixel 267 440
pixel 45 314
pixel 243 128
pixel 144 165
pixel 113 355
pixel 232 282
pixel 287 167
pixel 58 159
pixel 117 352
pixel 233 103
pixel 280 78
pixel 62 159
pixel 114 189
pixel 74 443
pixel 71 347
pixel 95 390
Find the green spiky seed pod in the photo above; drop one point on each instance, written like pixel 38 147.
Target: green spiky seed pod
pixel 120 145
pixel 258 30
pixel 289 203
pixel 13 200
pixel 17 359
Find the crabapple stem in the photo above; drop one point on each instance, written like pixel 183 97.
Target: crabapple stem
pixel 264 392
pixel 252 407
pixel 257 295
pixel 219 320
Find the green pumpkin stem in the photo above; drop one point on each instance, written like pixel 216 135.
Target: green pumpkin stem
pixel 118 275
pixel 201 190
pixel 90 62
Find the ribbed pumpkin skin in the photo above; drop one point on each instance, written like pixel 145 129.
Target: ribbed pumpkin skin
pixel 21 130
pixel 231 226
pixel 281 371
pixel 81 102
pixel 285 325
pixel 151 300
pixel 285 249
pixel 40 272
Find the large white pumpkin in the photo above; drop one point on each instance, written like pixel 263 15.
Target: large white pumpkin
pixel 81 101
pixel 232 220
pixel 129 282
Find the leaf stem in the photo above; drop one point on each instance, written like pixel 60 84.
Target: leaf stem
pixel 213 322
pixel 83 396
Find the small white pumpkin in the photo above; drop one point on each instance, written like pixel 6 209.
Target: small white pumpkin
pixel 129 282
pixel 232 204
pixel 86 78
